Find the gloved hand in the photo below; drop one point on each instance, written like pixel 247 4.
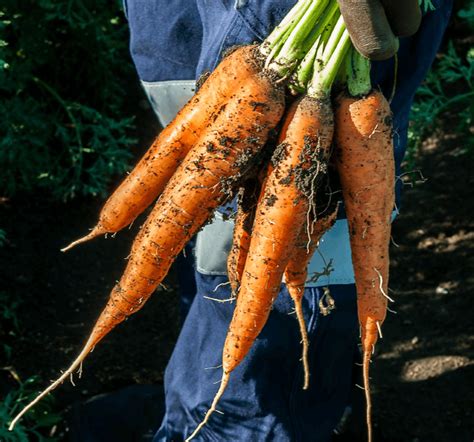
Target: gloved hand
pixel 374 25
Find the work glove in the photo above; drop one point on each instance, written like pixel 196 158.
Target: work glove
pixel 375 25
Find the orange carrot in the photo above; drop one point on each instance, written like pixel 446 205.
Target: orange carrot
pixel 246 212
pixel 149 177
pixel 365 164
pixel 246 205
pixel 279 217
pixel 287 198
pixel 204 180
pixel 296 272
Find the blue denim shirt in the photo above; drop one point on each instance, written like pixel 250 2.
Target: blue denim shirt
pixel 165 38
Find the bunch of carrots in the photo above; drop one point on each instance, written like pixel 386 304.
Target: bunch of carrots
pixel 215 148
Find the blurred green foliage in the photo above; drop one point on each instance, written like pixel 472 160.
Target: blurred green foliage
pixel 448 91
pixel 9 324
pixel 64 67
pixel 36 423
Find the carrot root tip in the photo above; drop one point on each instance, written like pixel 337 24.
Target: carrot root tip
pixel 366 377
pixel 220 392
pixel 68 373
pixel 304 341
pixel 96 231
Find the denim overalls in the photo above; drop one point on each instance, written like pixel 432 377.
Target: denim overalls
pixel 172 43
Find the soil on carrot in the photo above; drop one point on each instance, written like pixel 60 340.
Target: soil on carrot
pixel 423 372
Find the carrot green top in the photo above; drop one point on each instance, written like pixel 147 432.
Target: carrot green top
pixel 309 46
pixel 357 70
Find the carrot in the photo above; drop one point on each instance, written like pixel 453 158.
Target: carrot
pixel 296 272
pixel 149 177
pixel 282 209
pixel 204 180
pixel 365 163
pixel 246 205
pixel 279 217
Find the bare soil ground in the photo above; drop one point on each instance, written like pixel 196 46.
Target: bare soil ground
pixel 424 371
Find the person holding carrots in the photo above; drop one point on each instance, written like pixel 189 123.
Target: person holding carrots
pixel 172 44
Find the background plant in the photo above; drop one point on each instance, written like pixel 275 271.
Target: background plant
pixel 41 424
pixel 42 419
pixel 64 67
pixel 9 323
pixel 447 94
pixel 65 131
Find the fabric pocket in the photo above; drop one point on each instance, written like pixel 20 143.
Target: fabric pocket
pixel 213 244
pixel 168 97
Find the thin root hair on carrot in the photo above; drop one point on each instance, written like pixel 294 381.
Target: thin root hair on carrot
pixel 393 242
pixel 222 284
pixel 422 179
pixel 379 328
pixel 381 285
pixel 328 269
pixel 213 368
pixel 231 299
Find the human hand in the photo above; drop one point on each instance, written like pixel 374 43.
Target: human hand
pixel 374 25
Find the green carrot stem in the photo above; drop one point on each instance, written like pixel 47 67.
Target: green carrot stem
pixel 327 66
pixel 305 70
pixel 324 27
pixel 330 39
pixel 299 41
pixel 277 47
pixel 358 74
pixel 277 38
pixel 334 37
pixel 336 59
